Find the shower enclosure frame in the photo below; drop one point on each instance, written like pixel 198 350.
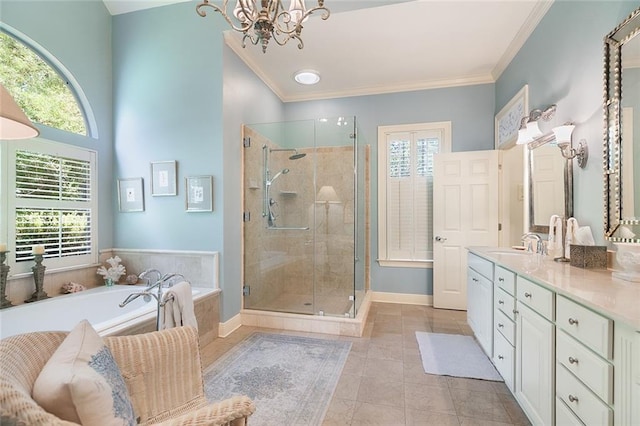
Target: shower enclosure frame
pixel 259 257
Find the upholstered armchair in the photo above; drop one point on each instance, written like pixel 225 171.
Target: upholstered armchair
pixel 162 372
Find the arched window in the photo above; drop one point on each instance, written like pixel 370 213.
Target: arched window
pixel 39 89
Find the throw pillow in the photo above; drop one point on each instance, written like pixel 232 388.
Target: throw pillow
pixel 82 383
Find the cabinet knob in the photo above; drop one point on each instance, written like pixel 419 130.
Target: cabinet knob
pixel 500 357
pixel 573 398
pixel 440 239
pixel 501 279
pixel 573 321
pixel 475 280
pixel 527 295
pixel 515 311
pixel 500 325
pixel 500 302
pixel 573 360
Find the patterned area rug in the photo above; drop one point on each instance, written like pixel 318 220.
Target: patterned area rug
pixel 291 379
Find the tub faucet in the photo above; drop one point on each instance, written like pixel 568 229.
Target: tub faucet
pixel 143 276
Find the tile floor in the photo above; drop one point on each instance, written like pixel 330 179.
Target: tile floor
pixel 383 382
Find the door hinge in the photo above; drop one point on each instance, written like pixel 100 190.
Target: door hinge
pixel 246 216
pixel 246 142
pixel 246 290
pixel 499 227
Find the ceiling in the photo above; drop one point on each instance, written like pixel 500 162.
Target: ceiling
pixel 373 47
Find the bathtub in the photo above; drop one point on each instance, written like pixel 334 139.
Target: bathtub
pixel 98 305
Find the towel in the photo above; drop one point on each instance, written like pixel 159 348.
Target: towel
pixel 584 236
pixel 572 228
pixel 555 233
pixel 178 307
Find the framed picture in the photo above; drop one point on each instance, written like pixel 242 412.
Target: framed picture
pixel 508 119
pixel 163 178
pixel 199 193
pixel 131 195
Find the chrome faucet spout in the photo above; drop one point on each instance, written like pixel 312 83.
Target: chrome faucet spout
pixel 540 247
pixel 144 275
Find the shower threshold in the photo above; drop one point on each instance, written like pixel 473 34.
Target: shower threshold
pixel 336 325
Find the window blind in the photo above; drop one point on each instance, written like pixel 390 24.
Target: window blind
pixel 53 205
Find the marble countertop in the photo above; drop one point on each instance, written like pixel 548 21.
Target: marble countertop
pixel 594 288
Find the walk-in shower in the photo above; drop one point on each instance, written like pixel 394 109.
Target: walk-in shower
pixel 305 245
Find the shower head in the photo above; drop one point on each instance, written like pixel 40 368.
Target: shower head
pixel 297 156
pixel 281 172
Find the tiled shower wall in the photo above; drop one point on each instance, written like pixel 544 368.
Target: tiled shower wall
pixel 279 263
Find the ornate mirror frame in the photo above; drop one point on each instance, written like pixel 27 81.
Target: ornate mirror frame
pixel 614 222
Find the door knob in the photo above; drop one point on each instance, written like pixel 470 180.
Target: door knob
pixel 440 239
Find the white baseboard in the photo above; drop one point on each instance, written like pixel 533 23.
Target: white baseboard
pixel 408 299
pixel 228 327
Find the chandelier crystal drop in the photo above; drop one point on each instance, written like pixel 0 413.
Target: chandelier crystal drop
pixel 263 20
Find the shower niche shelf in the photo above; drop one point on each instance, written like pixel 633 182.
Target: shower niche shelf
pixel 288 192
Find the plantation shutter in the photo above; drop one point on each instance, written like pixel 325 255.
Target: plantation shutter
pixel 54 203
pixel 409 186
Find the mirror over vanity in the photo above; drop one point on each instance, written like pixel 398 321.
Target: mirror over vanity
pixel 622 131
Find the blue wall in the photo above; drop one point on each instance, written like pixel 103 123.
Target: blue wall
pixel 562 62
pixel 179 94
pixel 470 110
pixel 78 34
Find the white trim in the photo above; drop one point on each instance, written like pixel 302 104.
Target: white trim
pixel 404 298
pixel 471 80
pixel 64 73
pixel 444 127
pixel 228 327
pixel 532 21
pixel 420 264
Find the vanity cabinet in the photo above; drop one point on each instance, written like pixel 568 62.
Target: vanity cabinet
pixel 480 300
pixel 535 351
pixel 566 340
pixel 584 369
pixel 504 327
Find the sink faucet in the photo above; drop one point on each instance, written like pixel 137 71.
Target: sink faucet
pixel 540 247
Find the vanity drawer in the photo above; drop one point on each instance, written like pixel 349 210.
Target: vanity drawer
pixel 564 416
pixel 504 302
pixel 505 326
pixel 536 297
pixel 590 328
pixel 482 266
pixel 505 279
pixel 594 371
pixel 503 359
pixel 589 409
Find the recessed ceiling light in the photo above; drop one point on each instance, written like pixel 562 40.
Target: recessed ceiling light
pixel 307 77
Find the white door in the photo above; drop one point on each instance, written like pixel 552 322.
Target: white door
pixel 465 213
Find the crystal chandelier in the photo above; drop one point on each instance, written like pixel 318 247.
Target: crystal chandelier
pixel 268 21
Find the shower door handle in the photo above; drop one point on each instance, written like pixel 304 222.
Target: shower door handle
pixel 440 239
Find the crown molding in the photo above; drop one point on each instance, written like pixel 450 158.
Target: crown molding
pixel 534 18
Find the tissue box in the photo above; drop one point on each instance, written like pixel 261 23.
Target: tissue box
pixel 588 256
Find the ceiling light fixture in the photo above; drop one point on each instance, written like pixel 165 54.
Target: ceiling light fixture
pixel 263 20
pixel 14 123
pixel 307 77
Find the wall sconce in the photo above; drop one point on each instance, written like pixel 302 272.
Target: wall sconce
pixel 530 134
pixel 14 123
pixel 563 139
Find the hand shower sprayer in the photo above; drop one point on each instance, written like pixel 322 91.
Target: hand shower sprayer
pixel 281 172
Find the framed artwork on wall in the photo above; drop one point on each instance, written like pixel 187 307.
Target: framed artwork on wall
pixel 130 195
pixel 199 191
pixel 508 119
pixel 163 178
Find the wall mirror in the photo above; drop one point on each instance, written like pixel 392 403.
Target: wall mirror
pixel 550 186
pixel 622 131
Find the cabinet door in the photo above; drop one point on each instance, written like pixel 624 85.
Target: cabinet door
pixel 534 365
pixel 480 309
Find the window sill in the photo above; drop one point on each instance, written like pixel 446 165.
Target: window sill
pixel 420 264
